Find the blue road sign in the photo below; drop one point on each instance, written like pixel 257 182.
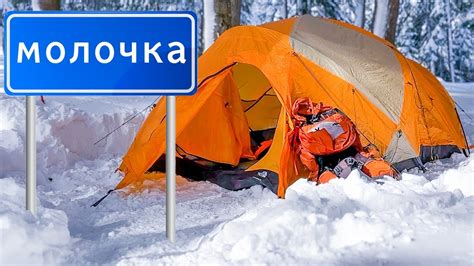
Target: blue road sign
pixel 84 53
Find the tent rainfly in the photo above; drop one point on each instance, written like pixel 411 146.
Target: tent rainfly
pixel 248 80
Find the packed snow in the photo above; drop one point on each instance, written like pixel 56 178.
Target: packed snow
pixel 426 218
pixel 44 239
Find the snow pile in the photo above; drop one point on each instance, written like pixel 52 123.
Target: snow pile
pixel 342 222
pixel 26 239
pixel 65 134
pixel 65 140
pixel 458 179
pixel 11 140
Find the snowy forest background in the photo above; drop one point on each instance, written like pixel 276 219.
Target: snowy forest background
pixel 437 33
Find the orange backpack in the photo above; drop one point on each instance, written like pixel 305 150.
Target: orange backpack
pixel 320 130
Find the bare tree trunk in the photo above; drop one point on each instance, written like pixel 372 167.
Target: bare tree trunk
pixel 360 13
pixel 209 23
pixel 384 23
pixel 379 22
pixel 46 4
pixel 227 14
pixel 218 17
pixel 390 34
pixel 284 9
pixel 450 42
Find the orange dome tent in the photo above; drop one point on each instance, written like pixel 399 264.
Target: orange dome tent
pixel 249 78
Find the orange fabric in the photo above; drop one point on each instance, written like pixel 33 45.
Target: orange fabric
pixel 326 176
pixel 304 106
pixel 320 142
pixel 374 166
pixel 263 147
pixel 316 142
pixel 370 151
pixel 377 168
pixel 149 143
pixel 407 124
pixel 287 173
pixel 271 160
pixel 311 140
pixel 284 26
pixel 308 159
pixel 437 121
pixel 428 115
pixel 225 138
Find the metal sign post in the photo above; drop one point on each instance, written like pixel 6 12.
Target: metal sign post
pixel 31 154
pixel 140 54
pixel 170 167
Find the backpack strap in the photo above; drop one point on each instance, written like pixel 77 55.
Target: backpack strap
pixel 345 167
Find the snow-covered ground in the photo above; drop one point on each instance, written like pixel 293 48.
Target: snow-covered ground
pixel 426 218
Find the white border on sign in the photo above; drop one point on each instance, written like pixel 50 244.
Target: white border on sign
pixel 103 91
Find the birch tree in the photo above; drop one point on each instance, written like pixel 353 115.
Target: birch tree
pixel 450 40
pixel 209 23
pixel 385 18
pixel 379 22
pixel 218 17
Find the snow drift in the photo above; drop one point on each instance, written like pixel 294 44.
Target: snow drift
pixel 65 135
pixel 346 221
pixel 426 218
pixel 25 239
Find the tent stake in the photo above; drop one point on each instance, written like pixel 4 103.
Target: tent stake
pixel 170 167
pixel 30 154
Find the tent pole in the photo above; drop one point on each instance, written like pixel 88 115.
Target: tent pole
pixel 170 167
pixel 30 154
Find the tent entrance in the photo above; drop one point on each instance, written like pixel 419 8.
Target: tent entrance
pixel 242 112
pixel 259 104
pixel 258 99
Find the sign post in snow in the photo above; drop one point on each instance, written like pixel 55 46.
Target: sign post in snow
pixel 119 53
pixel 170 167
pixel 31 154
